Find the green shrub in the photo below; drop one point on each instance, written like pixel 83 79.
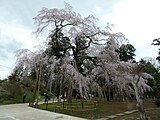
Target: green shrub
pixel 28 99
pixel 157 102
pixel 12 89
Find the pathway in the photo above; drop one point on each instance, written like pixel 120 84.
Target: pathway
pixel 24 112
pixel 117 115
pixel 124 113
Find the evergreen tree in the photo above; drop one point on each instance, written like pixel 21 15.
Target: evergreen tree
pixel 126 52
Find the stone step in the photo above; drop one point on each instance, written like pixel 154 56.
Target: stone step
pixel 112 116
pixel 120 114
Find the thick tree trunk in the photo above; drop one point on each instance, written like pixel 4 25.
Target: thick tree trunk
pixel 50 87
pixel 39 83
pixel 35 88
pixel 104 93
pixel 108 93
pixel 143 115
pixel 140 104
pixel 69 96
pixel 61 84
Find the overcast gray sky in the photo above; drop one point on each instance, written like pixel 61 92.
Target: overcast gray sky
pixel 137 19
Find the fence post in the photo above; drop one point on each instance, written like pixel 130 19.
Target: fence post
pixel 63 102
pixel 47 105
pixel 54 108
pixel 82 104
pixel 95 110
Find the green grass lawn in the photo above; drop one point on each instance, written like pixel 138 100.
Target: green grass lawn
pixel 103 109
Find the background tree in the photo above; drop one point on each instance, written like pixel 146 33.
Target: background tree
pixel 150 68
pixel 157 42
pixel 126 77
pixel 126 52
